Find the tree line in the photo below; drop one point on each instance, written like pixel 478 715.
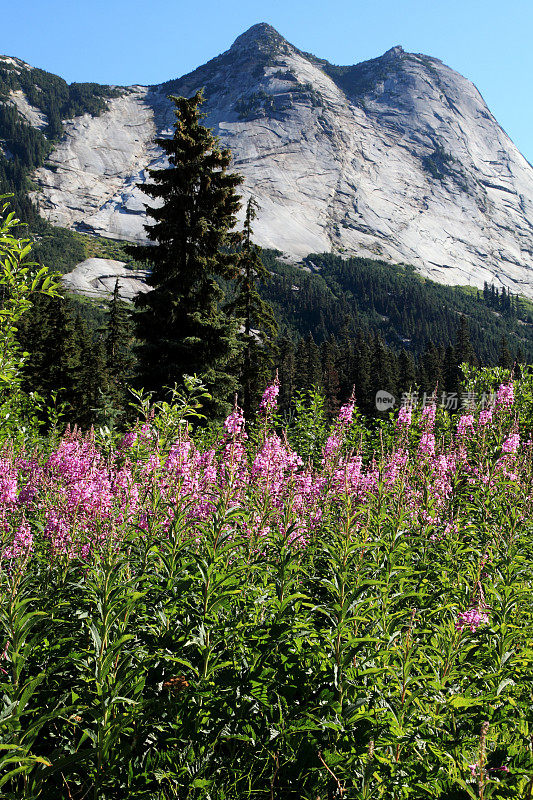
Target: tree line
pixel 221 308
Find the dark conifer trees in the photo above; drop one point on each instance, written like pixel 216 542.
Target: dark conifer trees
pixel 180 325
pixel 119 349
pixel 258 322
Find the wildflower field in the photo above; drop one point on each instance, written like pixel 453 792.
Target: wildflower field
pixel 337 611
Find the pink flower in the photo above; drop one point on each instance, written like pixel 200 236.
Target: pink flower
pixel 22 543
pixel 427 444
pixel 428 416
pixel 269 400
pixel 404 417
pixel 471 619
pixel 128 440
pixel 485 417
pixel 465 425
pixel 512 443
pixel 234 424
pixel 505 396
pixel 332 445
pixel 346 413
pixel 8 483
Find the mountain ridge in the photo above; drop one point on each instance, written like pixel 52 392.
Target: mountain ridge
pixel 397 158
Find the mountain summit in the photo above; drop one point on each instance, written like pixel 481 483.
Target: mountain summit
pixel 396 158
pixel 261 35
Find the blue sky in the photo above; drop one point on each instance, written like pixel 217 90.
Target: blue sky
pixel 129 41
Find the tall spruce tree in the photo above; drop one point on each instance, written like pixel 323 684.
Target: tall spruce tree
pixel 258 323
pixel 180 324
pixel 119 349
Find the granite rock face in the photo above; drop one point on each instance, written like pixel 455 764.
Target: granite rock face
pixel 396 158
pixel 96 278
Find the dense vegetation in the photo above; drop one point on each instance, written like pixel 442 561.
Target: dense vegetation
pixel 182 325
pixel 327 613
pixel 309 603
pixel 341 321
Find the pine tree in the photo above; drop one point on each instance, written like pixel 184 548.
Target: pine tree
pixel 406 372
pixel 120 359
pixel 313 363
pixel 384 368
pixel 463 352
pixel 258 323
pixel 505 358
pixel 286 370
pixel 91 379
pixel 330 359
pixel 431 375
pixel 362 376
pixel 180 325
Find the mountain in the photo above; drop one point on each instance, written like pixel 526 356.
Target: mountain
pixel 397 158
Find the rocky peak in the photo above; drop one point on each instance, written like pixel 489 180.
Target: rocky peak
pixel 261 36
pixel 396 158
pixel 394 51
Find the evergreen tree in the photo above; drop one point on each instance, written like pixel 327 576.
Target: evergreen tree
pixel 313 363
pixel 383 368
pixel 406 372
pixel 180 325
pixel 258 322
pixel 91 379
pixel 505 358
pixel 462 352
pixel 330 358
pixel 431 375
pixel 362 374
pixel 119 355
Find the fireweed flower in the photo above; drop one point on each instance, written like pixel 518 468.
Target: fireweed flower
pixel 427 444
pixel 333 445
pixel 346 413
pixel 511 444
pixel 428 416
pixel 505 396
pixel 404 417
pixel 22 544
pixel 8 483
pixel 128 440
pixel 234 424
pixel 471 619
pixel 465 425
pixel 485 417
pixel 394 466
pixel 269 400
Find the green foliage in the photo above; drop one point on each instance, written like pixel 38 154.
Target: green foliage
pixel 394 300
pixel 53 96
pixel 307 424
pixel 120 360
pixel 180 326
pixel 198 660
pixel 258 323
pixel 20 280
